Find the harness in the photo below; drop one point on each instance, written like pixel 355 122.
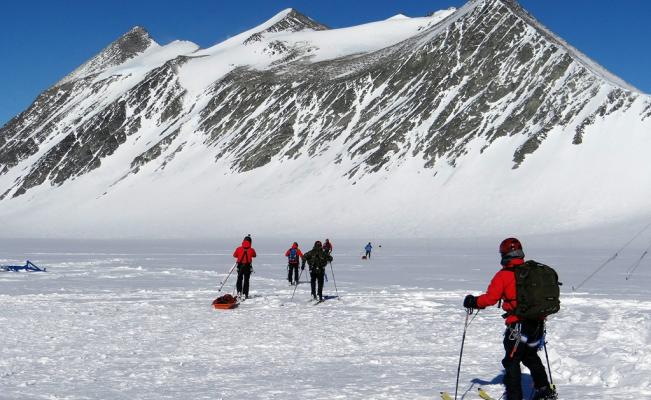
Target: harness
pixel 515 334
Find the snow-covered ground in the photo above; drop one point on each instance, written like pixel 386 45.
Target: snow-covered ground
pixel 132 320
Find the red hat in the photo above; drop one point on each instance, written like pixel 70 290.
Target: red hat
pixel 511 247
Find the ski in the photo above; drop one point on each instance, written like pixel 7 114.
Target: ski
pixel 484 395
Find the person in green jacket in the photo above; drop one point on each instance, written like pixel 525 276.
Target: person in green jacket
pixel 317 259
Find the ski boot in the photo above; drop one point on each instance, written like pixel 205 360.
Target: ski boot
pixel 545 393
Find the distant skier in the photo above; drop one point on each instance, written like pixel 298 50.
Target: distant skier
pixel 293 255
pixel 327 246
pixel 317 259
pixel 523 337
pixel 244 257
pixel 368 249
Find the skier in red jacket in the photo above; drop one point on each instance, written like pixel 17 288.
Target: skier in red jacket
pixel 327 246
pixel 294 256
pixel 523 338
pixel 244 257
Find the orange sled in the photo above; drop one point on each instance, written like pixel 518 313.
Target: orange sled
pixel 225 302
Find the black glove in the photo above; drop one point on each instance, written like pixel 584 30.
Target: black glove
pixel 470 302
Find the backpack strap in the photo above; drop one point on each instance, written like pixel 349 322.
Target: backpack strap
pixel 506 299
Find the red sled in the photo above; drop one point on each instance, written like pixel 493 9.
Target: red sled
pixel 225 302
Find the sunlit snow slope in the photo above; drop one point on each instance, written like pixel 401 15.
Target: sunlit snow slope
pixel 467 121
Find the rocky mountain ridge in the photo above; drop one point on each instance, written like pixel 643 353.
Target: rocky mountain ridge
pixel 440 93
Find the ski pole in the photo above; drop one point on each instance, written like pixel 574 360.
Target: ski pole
pixel 637 263
pixel 295 287
pixel 222 283
pixel 334 280
pixel 469 312
pixel 551 380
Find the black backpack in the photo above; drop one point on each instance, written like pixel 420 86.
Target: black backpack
pixel 318 260
pixel 537 290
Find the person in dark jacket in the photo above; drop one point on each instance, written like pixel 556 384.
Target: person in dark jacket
pixel 317 259
pixel 244 257
pixel 293 255
pixel 523 338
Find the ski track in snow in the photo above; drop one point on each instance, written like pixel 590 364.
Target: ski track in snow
pixel 135 325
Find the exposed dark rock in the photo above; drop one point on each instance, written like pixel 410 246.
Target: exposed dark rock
pixel 98 138
pixel 2 197
pixel 277 47
pixel 527 147
pixel 22 135
pixel 294 21
pixel 580 129
pixel 46 164
pixel 647 111
pixel 476 59
pixel 255 38
pixel 171 156
pixel 129 45
pixel 154 152
pixel 491 73
pixel 16 151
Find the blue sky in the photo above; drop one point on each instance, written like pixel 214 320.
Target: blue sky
pixel 41 41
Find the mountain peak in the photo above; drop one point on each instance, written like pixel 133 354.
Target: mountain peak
pixel 137 33
pixel 288 20
pixel 591 65
pixel 397 17
pixel 130 44
pixel 133 42
pixel 496 2
pixel 455 104
pixel 294 21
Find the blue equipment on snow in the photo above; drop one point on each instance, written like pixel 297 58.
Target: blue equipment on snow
pixel 29 267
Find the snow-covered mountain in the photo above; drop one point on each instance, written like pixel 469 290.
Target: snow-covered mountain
pixel 467 121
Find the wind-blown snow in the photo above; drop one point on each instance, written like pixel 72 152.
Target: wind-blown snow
pixel 115 320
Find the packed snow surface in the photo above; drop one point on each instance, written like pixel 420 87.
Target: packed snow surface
pixel 132 320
